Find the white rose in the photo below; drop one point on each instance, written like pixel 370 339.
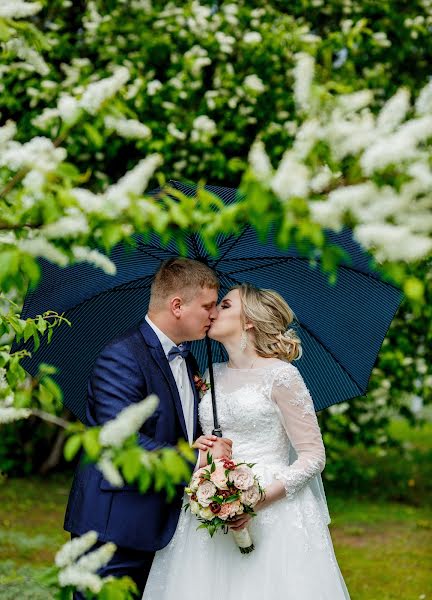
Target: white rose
pixel 194 507
pixel 206 513
pixel 251 496
pixel 205 491
pixel 242 477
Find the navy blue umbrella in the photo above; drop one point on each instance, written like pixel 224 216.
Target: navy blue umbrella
pixel 341 326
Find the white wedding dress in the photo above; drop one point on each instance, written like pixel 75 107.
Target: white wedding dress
pixel 268 413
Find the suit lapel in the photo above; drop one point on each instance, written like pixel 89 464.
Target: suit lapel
pixel 190 367
pixel 161 361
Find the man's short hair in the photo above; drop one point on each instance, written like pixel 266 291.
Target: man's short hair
pixel 181 276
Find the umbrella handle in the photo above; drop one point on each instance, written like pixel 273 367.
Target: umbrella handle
pixel 217 431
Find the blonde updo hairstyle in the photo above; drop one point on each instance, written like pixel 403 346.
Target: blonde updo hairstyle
pixel 270 316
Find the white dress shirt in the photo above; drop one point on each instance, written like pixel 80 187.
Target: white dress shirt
pixel 180 373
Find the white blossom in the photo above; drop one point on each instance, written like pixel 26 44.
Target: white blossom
pixel 95 258
pixel 68 109
pixel 153 87
pixel 395 148
pixel 34 181
pixel 321 180
pixel 226 42
pixel 423 103
pixel 83 580
pixel 291 178
pixel 355 101
pixel 7 132
pixel 203 128
pixel 30 57
pixel 9 414
pixel 109 471
pixel 39 246
pixel 3 381
pixel 127 422
pixel 252 37
pixel 260 162
pixel 176 133
pixel 88 201
pixel 198 58
pixel 104 89
pixel 18 9
pixel 134 182
pixel 349 136
pixel 394 111
pixel 8 401
pixel 97 558
pixel 128 128
pixel 307 135
pixel 303 76
pixel 392 242
pixel 254 83
pixel 69 226
pixel 39 153
pixel 73 549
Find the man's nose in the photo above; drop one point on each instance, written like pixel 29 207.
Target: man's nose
pixel 214 314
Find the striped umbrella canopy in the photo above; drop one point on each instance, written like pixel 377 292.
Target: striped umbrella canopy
pixel 341 326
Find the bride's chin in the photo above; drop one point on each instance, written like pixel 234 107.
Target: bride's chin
pixel 212 336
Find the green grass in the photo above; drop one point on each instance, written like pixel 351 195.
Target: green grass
pixel 384 549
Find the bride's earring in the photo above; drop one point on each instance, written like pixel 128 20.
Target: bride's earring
pixel 243 341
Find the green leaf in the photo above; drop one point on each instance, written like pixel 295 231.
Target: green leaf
pixel 131 464
pixel 53 387
pixel 90 441
pixel 29 330
pixel 93 135
pixel 414 289
pixel 144 480
pixel 72 446
pixel 36 341
pixel 41 324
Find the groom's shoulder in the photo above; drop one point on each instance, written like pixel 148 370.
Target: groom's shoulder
pixel 127 339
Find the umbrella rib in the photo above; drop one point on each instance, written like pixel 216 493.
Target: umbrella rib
pixel 195 245
pixel 312 334
pixel 231 246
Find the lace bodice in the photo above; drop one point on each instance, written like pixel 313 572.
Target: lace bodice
pixel 265 411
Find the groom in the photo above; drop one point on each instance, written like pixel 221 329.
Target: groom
pixel 150 359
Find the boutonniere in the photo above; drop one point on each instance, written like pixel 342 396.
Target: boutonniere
pixel 201 385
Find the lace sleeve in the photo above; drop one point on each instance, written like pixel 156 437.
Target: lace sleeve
pixel 297 412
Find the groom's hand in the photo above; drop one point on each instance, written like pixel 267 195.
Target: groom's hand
pixel 218 448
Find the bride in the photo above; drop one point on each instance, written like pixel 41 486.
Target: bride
pixel 265 408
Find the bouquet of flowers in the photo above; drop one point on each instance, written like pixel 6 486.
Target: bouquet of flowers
pixel 220 492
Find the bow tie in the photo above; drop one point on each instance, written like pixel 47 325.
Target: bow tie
pixel 180 350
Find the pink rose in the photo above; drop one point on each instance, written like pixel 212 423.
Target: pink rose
pixel 242 477
pixel 225 512
pixel 206 490
pixel 251 496
pixel 219 479
pixel 230 509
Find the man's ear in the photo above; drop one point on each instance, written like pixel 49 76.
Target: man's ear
pixel 176 306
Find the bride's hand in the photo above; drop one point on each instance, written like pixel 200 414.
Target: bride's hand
pixel 239 522
pixel 275 491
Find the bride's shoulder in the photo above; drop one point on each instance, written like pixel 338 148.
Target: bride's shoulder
pixel 281 372
pixel 278 365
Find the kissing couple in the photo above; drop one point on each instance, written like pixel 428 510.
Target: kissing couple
pixel 268 418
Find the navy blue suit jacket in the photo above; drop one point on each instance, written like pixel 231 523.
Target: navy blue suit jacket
pixel 127 370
